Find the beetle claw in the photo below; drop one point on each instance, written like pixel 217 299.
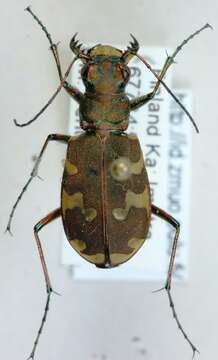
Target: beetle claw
pixel 8 229
pixel 27 8
pixel 158 290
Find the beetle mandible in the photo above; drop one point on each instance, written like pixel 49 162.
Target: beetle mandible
pixel 105 196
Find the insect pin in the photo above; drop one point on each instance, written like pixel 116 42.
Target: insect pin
pixel 105 195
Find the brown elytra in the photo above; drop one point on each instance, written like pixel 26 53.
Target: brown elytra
pixel 105 197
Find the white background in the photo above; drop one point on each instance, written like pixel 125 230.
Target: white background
pixel 121 320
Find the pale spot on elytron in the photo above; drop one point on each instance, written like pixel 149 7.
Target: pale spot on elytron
pixel 119 258
pixel 90 214
pixel 71 168
pixel 135 243
pixel 78 245
pixel 98 258
pixel 137 167
pixel 76 201
pixel 138 201
pixel 122 168
pixel 132 136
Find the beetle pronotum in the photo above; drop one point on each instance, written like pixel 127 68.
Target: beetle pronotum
pixel 105 197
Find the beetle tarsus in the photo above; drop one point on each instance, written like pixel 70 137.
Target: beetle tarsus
pixel 32 354
pixel 171 303
pixel 8 230
pixel 54 292
pixel 28 8
pixel 207 25
pixel 158 290
pixel 175 316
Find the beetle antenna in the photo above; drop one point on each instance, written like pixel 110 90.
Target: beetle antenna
pixel 53 46
pixel 50 100
pixel 54 49
pixel 169 61
pixel 170 92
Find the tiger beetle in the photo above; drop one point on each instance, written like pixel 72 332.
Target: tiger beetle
pixel 105 195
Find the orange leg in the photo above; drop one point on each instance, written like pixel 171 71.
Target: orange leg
pixel 46 220
pixel 34 172
pixel 165 216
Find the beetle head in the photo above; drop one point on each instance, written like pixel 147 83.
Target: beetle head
pixel 105 68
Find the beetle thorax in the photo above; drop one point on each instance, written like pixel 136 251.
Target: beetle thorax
pixel 105 104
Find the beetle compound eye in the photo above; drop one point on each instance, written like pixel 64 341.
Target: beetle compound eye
pixel 91 72
pixel 88 71
pixel 121 169
pixel 86 74
pixel 125 74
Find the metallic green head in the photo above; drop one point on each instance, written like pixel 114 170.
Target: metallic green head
pixel 105 69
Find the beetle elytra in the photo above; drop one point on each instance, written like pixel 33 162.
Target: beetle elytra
pixel 105 196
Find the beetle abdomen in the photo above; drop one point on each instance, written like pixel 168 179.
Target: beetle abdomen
pixel 105 197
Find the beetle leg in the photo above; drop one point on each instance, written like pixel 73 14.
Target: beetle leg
pixel 142 100
pixel 165 216
pixel 46 220
pixel 139 101
pixel 73 92
pixel 168 218
pixel 56 137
